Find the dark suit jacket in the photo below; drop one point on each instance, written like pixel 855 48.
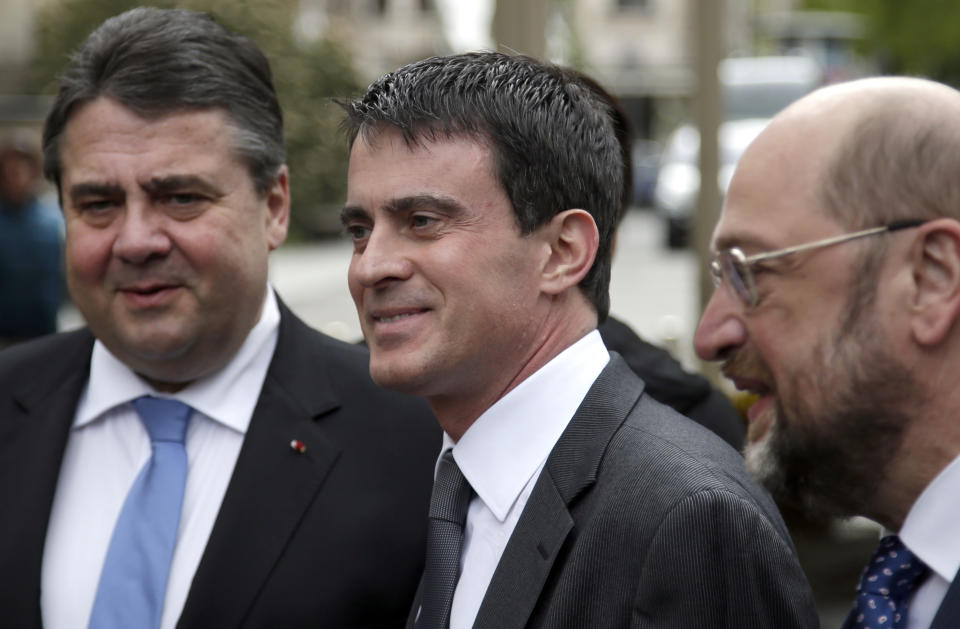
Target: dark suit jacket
pixel 948 616
pixel 642 519
pixel 667 382
pixel 333 537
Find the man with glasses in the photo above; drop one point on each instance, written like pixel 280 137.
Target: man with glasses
pixel 838 292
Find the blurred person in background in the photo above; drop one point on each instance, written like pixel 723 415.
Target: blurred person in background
pixel 665 379
pixel 197 456
pixel 31 243
pixel 838 304
pixel 483 194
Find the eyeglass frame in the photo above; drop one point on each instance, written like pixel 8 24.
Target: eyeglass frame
pixel 740 264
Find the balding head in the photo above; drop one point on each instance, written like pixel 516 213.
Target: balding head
pixel 839 295
pixel 885 148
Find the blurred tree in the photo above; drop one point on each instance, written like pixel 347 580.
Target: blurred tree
pixel 917 37
pixel 307 76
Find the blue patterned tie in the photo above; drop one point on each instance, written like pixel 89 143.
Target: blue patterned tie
pixel 134 577
pixel 448 514
pixel 886 584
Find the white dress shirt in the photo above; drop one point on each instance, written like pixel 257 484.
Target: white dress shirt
pixel 929 530
pixel 502 454
pixel 107 447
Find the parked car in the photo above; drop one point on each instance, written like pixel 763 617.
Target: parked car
pixel 754 90
pixel 646 169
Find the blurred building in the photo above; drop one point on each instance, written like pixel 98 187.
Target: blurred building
pixel 643 50
pixel 17 18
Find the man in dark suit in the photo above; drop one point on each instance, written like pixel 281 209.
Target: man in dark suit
pixel 838 272
pixel 302 486
pixel 483 193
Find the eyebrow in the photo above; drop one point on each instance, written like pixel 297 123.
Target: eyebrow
pixel 95 190
pixel 156 185
pixel 174 183
pixel 445 204
pixel 353 213
pixel 742 241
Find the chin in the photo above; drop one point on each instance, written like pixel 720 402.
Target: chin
pixel 397 377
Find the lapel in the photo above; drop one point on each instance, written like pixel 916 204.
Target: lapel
pixel 35 420
pixel 550 516
pixel 948 615
pixel 272 485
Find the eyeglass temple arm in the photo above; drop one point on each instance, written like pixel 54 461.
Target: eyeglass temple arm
pixel 835 240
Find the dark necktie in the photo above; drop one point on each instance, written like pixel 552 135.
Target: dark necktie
pixel 133 582
pixel 448 513
pixel 887 582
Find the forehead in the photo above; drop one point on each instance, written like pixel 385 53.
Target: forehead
pixel 105 139
pixel 774 195
pixel 385 164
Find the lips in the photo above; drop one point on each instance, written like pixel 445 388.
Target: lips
pixel 395 317
pixel 394 326
pixel 761 414
pixel 396 314
pixel 147 295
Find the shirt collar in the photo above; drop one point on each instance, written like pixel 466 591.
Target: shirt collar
pixel 227 396
pixel 928 529
pixel 511 440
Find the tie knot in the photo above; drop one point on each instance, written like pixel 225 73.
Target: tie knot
pixel 165 419
pixel 451 491
pixel 893 570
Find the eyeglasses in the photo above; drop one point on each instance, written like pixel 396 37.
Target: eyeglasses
pixel 735 268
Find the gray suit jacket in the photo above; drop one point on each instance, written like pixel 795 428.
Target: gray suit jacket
pixel 642 518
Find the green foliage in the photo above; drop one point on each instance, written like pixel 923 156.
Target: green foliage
pixel 307 76
pixel 918 37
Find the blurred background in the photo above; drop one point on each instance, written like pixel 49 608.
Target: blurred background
pixel 698 78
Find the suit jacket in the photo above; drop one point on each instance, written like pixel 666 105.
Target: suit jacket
pixel 333 537
pixel 667 382
pixel 642 519
pixel 948 615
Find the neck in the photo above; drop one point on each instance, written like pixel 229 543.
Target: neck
pixel 456 412
pixel 924 453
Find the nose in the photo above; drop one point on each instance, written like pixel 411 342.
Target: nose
pixel 381 260
pixel 721 328
pixel 141 236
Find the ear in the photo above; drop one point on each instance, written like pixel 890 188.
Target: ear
pixel 935 259
pixel 278 209
pixel 573 240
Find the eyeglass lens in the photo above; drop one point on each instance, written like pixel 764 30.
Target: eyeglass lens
pixel 735 273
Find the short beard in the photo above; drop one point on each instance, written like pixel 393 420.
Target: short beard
pixel 828 451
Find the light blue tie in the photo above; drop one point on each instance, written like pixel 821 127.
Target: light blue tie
pixel 134 578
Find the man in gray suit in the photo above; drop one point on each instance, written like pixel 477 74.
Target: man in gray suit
pixel 483 193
